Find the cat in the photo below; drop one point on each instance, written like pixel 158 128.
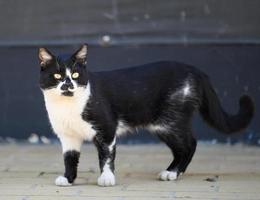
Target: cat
pixel 99 106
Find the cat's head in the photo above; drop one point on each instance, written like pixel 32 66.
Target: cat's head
pixel 63 76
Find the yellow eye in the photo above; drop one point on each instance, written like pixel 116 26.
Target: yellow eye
pixel 75 75
pixel 57 76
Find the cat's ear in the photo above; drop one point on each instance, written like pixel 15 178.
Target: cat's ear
pixel 45 56
pixel 81 54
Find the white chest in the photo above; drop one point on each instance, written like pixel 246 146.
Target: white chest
pixel 65 114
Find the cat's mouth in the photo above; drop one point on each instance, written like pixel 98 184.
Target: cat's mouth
pixel 67 93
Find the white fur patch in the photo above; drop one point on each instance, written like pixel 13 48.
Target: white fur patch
pixel 107 178
pixel 70 143
pixel 65 116
pixel 62 181
pixel 111 146
pixel 122 128
pixel 168 175
pixel 186 89
pixel 157 128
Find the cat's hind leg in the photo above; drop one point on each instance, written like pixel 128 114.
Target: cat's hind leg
pixel 71 152
pixel 182 146
pixel 192 149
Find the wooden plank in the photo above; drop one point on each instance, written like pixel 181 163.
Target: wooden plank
pixel 28 172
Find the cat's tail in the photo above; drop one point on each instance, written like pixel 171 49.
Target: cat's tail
pixel 213 113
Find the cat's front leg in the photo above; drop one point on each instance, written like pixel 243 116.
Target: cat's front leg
pixel 106 153
pixel 71 152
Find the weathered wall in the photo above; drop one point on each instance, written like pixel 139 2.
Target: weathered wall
pixel 129 21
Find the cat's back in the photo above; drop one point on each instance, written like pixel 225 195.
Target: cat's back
pixel 148 68
pixel 151 75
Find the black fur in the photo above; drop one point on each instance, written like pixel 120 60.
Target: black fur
pixel 150 94
pixel 71 160
pixel 103 152
pixel 213 113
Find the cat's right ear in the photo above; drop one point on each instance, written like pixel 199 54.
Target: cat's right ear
pixel 45 56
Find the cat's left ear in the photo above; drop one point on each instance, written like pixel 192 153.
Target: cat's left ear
pixel 81 54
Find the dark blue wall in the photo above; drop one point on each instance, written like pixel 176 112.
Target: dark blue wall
pixel 234 70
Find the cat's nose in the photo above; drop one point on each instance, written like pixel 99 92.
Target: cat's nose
pixel 67 86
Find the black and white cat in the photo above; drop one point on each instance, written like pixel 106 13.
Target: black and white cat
pixel 99 106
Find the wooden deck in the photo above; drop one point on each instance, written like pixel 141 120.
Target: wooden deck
pixel 28 172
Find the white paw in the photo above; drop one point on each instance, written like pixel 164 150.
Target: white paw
pixel 62 181
pixel 106 179
pixel 167 175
